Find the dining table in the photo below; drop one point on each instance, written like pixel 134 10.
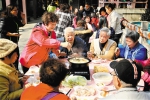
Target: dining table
pixel 34 80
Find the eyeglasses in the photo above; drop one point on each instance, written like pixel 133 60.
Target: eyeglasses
pixel 113 73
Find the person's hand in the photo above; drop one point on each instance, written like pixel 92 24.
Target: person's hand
pixel 97 98
pixel 90 55
pixel 117 52
pixel 27 85
pixel 16 34
pixel 66 45
pixel 22 15
pixel 24 78
pixel 62 54
pixel 56 51
pixel 118 59
pixel 75 55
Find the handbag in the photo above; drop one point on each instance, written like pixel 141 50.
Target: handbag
pixel 50 95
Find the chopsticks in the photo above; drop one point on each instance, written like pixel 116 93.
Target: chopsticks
pixel 110 90
pixel 68 91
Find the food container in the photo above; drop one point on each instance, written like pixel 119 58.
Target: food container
pixel 32 70
pixel 84 93
pixel 79 66
pixel 78 63
pixel 74 80
pixel 102 78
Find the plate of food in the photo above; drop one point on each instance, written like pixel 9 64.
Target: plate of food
pixel 98 61
pixel 32 70
pixel 74 80
pixel 101 68
pixel 84 93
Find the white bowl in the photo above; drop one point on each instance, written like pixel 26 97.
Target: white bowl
pixel 102 78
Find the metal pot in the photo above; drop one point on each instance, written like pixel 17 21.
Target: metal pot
pixel 78 66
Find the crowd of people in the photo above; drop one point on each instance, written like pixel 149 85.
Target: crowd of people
pixel 84 33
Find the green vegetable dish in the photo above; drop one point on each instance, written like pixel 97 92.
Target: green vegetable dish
pixel 74 80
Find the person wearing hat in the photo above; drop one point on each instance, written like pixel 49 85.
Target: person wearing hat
pixel 10 84
pixel 12 21
pixel 126 76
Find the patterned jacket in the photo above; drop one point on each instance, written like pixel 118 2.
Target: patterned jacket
pixel 65 20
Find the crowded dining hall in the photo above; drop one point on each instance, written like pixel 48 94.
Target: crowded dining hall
pixel 82 60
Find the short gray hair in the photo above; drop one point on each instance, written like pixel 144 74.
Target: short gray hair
pixel 68 30
pixel 107 30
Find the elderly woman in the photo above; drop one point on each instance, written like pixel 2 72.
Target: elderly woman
pixel 10 84
pixel 78 46
pixel 103 47
pixel 133 50
pixel 52 73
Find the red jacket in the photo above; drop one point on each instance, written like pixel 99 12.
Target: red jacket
pixel 146 75
pixel 53 35
pixel 37 49
pixel 38 92
pixel 95 21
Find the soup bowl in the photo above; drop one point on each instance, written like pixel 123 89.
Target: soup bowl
pixel 102 78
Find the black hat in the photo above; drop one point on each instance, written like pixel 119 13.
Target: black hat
pixel 127 71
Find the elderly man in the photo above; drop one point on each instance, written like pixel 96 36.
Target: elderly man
pixel 103 47
pixel 126 76
pixel 78 48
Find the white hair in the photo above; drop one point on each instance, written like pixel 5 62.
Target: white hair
pixel 68 30
pixel 107 30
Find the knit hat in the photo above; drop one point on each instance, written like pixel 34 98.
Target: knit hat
pixel 6 47
pixel 128 72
